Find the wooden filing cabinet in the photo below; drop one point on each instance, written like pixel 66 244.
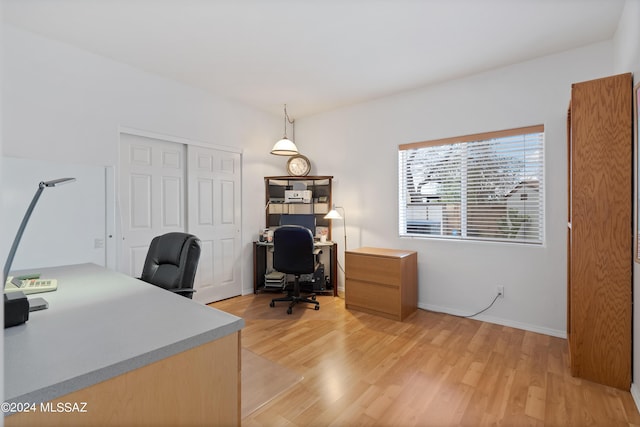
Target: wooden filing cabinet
pixel 382 281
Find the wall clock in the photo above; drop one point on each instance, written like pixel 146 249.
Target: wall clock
pixel 298 165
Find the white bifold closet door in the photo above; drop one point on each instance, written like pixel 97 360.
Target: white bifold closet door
pixel 169 186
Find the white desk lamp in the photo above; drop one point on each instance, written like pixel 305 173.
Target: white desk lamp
pixel 16 304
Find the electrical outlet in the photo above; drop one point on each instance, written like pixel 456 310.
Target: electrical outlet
pixel 500 290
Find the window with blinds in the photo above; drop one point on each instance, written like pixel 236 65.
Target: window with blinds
pixel 481 187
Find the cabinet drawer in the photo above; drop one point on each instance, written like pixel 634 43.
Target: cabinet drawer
pixel 374 269
pixel 372 296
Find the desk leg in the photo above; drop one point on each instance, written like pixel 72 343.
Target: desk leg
pixel 259 266
pixel 334 268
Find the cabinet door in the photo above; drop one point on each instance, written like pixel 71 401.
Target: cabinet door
pixel 601 230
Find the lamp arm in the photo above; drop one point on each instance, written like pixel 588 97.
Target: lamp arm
pixel 23 225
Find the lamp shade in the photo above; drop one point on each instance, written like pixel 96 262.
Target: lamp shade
pixel 284 147
pixel 333 214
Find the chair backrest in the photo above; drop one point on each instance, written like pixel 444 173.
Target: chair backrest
pixel 172 261
pixel 293 250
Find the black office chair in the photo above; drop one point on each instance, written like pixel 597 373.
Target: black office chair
pixel 293 253
pixel 172 261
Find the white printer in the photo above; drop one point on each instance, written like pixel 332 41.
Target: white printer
pixel 297 196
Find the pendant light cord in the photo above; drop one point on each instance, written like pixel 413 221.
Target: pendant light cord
pixel 292 122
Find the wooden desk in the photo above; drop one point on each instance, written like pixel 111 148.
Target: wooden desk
pixel 134 353
pixel 263 262
pixel 382 281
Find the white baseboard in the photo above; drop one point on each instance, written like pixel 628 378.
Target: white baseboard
pixel 484 318
pixel 498 321
pixel 635 393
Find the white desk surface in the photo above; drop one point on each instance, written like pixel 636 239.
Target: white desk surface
pixel 101 324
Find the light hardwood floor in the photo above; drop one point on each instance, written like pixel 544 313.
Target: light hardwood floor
pixel 430 370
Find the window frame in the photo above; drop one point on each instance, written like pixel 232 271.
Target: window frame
pixel 473 142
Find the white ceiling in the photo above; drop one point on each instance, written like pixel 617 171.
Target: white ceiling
pixel 317 55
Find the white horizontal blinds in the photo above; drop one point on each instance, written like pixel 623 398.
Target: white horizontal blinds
pixel 483 188
pixel 432 191
pixel 504 188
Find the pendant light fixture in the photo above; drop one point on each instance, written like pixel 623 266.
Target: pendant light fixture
pixel 286 147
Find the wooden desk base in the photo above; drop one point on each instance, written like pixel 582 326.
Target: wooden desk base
pixel 200 386
pixel 260 267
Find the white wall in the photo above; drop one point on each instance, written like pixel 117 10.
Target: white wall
pixel 627 39
pixel 627 58
pixel 64 104
pixel 68 224
pixel 358 145
pixel 3 250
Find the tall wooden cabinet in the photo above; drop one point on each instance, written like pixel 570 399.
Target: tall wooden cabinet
pixel 600 253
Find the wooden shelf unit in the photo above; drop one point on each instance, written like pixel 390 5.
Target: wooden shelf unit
pixel 320 204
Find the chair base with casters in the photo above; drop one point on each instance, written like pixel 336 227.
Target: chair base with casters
pixel 296 298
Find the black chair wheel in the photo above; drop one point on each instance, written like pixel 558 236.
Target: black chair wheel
pixel 313 297
pixel 272 304
pixel 289 310
pixel 317 307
